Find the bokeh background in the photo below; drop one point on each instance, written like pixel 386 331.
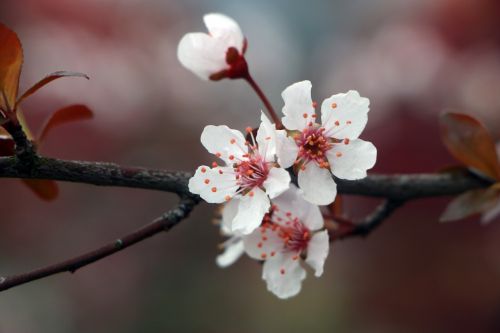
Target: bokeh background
pixel 412 58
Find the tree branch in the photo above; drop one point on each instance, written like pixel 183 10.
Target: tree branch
pixel 370 223
pixel 163 223
pixel 399 187
pixel 396 189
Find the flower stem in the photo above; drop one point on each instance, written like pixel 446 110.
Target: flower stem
pixel 265 101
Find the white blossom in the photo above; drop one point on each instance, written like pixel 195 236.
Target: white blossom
pixel 216 54
pixel 318 150
pixel 289 232
pixel 249 174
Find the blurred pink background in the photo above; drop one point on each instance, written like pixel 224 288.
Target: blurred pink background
pixel 412 58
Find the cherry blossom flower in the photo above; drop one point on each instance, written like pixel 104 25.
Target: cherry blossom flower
pixel 289 232
pixel 318 150
pixel 218 54
pixel 250 172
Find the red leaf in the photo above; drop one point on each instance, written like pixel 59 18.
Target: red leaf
pixel 470 203
pixel 7 146
pixel 336 208
pixel 469 142
pixel 44 189
pixel 46 80
pixel 11 60
pixel 65 115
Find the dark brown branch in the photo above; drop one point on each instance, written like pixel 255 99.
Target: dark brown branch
pixel 370 223
pixel 399 187
pixel 97 173
pixel 163 223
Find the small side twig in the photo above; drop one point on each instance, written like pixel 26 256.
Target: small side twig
pixel 163 223
pixel 370 223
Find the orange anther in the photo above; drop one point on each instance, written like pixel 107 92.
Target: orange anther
pixel 315 104
pixel 203 170
pixel 338 154
pixel 348 122
pixel 207 181
pixel 232 141
pixel 214 164
pixel 263 256
pixel 214 189
pixel 231 157
pixel 304 115
pixel 248 129
pixel 259 245
pixel 218 154
pixel 251 194
pixel 334 105
pixel 337 123
pixel 227 198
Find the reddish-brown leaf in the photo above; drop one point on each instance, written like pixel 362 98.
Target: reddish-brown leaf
pixel 336 208
pixel 469 142
pixel 44 189
pixel 11 60
pixel 46 80
pixel 470 203
pixel 65 115
pixel 7 146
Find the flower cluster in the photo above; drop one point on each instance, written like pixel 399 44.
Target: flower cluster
pixel 265 215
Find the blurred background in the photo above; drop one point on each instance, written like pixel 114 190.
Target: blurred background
pixel 412 58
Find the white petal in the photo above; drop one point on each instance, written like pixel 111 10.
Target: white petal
pixel 350 161
pixel 266 139
pixel 229 143
pixel 298 103
pixel 228 213
pixel 202 54
pixel 286 149
pixel 251 210
pixel 224 28
pixel 317 251
pixel 263 243
pixel 283 275
pixel 292 201
pixel 277 182
pixel 345 115
pixel 317 184
pixel 213 185
pixel 231 253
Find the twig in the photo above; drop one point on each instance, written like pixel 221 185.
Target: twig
pixel 370 223
pixel 163 223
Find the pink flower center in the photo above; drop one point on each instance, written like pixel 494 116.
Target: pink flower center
pixel 296 237
pixel 252 172
pixel 313 145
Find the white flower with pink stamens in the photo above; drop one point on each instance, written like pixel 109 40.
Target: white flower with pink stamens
pixel 215 55
pixel 250 174
pixel 317 150
pixel 289 232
